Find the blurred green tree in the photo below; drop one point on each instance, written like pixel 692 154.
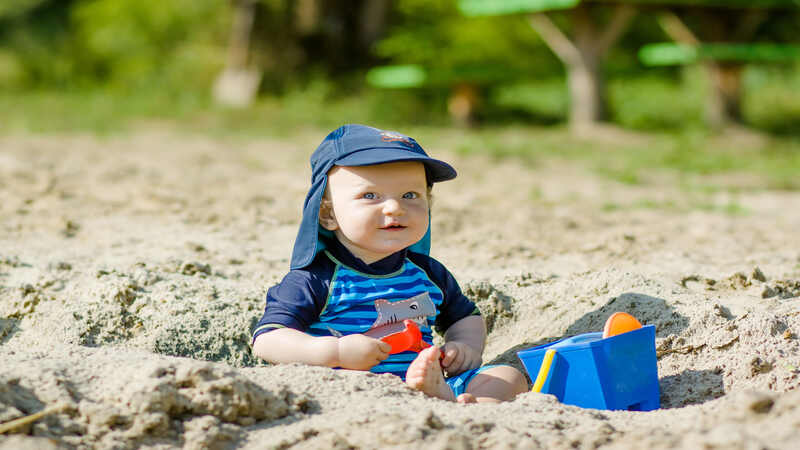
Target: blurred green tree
pixel 11 8
pixel 725 37
pixel 591 32
pixel 181 44
pixel 135 44
pixel 127 44
pixel 185 46
pixel 459 56
pixel 583 42
pixel 35 43
pixel 277 42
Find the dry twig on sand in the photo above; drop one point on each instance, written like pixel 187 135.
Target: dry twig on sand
pixel 22 421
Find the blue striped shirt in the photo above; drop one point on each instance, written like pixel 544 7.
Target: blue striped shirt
pixel 337 295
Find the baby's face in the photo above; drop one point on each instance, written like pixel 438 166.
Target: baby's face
pixel 377 210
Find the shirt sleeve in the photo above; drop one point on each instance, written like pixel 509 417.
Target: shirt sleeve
pixel 455 305
pixel 295 302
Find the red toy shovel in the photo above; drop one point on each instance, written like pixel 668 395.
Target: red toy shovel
pixel 409 339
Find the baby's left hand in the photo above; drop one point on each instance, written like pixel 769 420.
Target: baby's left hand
pixel 459 357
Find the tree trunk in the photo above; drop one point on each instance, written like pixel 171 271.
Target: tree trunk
pixel 724 101
pixel 725 78
pixel 238 83
pixel 307 16
pixel 583 59
pixel 585 78
pixel 372 21
pixel 587 99
pixel 723 104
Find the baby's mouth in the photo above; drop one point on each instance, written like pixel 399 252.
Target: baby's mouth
pixel 393 227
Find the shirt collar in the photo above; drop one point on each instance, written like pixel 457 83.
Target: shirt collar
pixel 385 266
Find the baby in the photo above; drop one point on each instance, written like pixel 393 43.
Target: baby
pixel 360 267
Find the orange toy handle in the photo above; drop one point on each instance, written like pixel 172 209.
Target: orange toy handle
pixel 408 339
pixel 620 322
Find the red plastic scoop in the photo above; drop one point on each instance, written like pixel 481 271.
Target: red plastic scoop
pixel 409 339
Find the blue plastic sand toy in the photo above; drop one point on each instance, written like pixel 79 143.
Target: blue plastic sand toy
pixel 618 372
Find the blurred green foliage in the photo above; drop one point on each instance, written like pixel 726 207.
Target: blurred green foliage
pixel 134 43
pixel 772 100
pixel 432 34
pixel 106 64
pixel 666 54
pixel 119 44
pixel 15 8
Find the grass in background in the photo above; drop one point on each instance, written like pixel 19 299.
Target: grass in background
pixel 635 158
pixel 95 112
pixel 731 208
pixel 772 99
pixel 665 113
pixel 316 105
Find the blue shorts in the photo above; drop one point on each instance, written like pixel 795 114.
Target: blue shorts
pixel 460 382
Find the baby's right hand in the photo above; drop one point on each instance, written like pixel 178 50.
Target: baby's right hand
pixel 360 352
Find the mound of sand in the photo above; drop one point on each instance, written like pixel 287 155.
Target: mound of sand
pixel 133 268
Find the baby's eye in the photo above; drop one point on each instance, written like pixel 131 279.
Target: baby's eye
pixel 369 196
pixel 410 195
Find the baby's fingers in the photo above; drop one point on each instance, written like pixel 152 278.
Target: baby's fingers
pixel 457 366
pixel 450 354
pixel 384 348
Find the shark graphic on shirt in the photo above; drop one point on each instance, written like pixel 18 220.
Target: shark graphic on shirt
pixel 392 313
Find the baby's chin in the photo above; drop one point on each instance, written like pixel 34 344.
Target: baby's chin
pixel 389 248
pixel 395 244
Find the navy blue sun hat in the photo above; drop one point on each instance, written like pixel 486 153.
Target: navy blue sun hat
pixel 357 145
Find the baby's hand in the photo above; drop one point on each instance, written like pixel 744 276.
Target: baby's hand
pixel 360 352
pixel 459 357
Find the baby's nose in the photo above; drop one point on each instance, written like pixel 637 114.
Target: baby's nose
pixel 392 207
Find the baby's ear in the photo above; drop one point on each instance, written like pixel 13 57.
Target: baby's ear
pixel 326 217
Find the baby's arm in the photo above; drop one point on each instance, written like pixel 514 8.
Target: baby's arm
pixel 355 351
pixel 464 342
pixel 292 305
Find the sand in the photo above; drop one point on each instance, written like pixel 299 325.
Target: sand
pixel 132 268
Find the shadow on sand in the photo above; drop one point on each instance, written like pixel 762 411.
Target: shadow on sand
pixel 8 327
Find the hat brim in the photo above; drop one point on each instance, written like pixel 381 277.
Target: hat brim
pixel 438 170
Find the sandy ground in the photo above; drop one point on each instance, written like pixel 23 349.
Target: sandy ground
pixel 132 268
